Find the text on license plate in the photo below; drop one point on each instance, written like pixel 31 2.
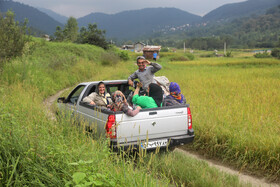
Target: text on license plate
pixel 154 144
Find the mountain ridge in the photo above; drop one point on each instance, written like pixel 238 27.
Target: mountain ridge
pixel 141 23
pixel 36 18
pixel 147 19
pixel 242 9
pixel 58 17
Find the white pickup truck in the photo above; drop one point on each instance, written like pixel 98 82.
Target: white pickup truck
pixel 149 129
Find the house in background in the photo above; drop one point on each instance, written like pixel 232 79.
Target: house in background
pixel 148 51
pixel 138 47
pixel 128 47
pixel 46 37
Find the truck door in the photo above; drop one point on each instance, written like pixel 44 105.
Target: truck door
pixel 70 104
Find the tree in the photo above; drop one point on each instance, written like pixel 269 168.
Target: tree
pixel 93 35
pixel 71 30
pixel 58 34
pixel 12 36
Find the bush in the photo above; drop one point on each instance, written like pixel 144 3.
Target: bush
pixel 190 56
pixel 208 55
pixel 275 52
pixel 164 49
pixel 109 59
pixel 264 54
pixel 228 54
pixel 179 58
pixel 123 55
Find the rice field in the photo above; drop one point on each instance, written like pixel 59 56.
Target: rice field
pixel 235 104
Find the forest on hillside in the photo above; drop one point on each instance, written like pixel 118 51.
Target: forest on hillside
pixel 249 32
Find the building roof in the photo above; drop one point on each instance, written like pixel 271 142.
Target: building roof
pixel 152 48
pixel 140 43
pixel 128 46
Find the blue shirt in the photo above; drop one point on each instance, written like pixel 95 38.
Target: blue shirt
pixel 155 55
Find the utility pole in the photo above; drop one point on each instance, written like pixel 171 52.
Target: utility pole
pixel 225 48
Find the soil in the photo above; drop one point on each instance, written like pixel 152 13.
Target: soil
pixel 48 104
pixel 244 178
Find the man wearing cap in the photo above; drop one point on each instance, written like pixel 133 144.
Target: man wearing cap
pixel 144 74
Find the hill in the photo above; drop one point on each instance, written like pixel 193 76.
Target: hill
pixel 136 23
pixel 36 18
pixel 246 32
pixel 238 10
pixel 54 15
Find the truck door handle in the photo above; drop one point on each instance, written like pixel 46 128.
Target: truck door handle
pixel 152 113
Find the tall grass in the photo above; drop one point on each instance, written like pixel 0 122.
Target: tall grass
pixel 36 151
pixel 186 171
pixel 235 107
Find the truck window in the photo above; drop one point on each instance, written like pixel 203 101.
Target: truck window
pixel 73 98
pixel 112 89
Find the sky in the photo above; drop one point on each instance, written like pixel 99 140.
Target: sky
pixel 80 8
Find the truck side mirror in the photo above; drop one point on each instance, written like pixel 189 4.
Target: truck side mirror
pixel 61 100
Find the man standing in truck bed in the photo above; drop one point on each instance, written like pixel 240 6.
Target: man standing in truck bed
pixel 144 74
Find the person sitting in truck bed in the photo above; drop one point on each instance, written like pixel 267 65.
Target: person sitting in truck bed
pixel 120 104
pixel 175 97
pixel 154 98
pixel 144 74
pixel 99 97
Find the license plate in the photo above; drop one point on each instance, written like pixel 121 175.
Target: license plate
pixel 154 144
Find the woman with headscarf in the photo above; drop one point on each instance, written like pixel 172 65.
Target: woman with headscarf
pixel 100 97
pixel 154 98
pixel 175 97
pixel 120 104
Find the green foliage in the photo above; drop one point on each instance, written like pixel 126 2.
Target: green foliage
pixel 69 33
pixel 207 55
pixel 263 54
pixel 13 38
pixel 184 170
pixel 58 34
pixel 206 43
pixel 234 87
pixel 189 55
pixel 109 59
pixel 124 55
pixel 228 54
pixel 260 31
pixel 275 52
pixel 36 151
pixel 164 49
pixel 94 36
pixel 71 29
pixel 88 175
pixel 177 56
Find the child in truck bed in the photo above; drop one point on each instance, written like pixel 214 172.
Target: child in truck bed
pixel 120 104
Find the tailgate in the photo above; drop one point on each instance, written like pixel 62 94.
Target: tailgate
pixel 152 124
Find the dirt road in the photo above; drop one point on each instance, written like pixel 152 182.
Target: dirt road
pixel 244 178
